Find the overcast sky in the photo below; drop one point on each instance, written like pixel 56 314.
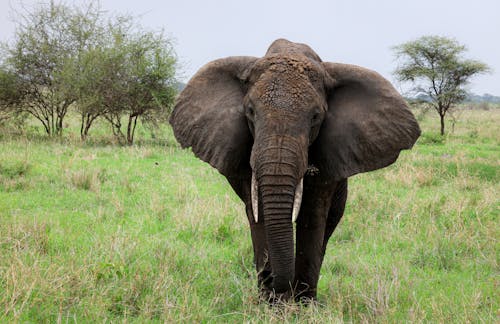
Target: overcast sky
pixel 360 32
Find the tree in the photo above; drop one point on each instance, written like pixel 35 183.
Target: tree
pixel 95 85
pixel 438 71
pixel 74 57
pixel 142 81
pixel 45 57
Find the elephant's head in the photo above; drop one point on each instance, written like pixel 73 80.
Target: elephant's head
pixel 270 118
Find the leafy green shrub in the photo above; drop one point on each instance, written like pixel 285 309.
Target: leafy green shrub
pixel 432 139
pixel 14 169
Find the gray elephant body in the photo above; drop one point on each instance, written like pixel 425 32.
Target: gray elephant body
pixel 287 130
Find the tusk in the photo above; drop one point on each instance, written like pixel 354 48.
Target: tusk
pixel 297 200
pixel 255 198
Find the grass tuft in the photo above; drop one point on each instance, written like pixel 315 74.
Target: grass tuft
pixel 85 179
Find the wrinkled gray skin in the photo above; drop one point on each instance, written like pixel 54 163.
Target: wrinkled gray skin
pixel 285 117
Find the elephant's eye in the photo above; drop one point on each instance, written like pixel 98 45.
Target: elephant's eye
pixel 250 111
pixel 316 118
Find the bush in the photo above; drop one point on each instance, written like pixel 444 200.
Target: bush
pixel 432 138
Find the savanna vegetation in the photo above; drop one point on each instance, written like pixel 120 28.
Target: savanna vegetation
pixel 95 231
pixel 438 71
pixel 66 58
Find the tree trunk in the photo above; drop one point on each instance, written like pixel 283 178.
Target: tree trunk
pixel 86 131
pixel 116 125
pixel 87 120
pixel 442 123
pixel 132 123
pixel 47 126
pixel 59 125
pixel 82 125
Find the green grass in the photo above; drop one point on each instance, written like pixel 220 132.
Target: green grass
pixel 148 233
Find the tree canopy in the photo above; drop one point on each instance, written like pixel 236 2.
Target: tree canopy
pixel 69 57
pixel 437 69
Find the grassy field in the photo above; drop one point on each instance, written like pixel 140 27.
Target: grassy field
pixel 106 233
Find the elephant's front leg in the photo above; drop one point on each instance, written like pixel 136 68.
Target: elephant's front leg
pixel 311 226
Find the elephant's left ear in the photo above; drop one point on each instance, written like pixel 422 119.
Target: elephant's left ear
pixel 368 123
pixel 209 117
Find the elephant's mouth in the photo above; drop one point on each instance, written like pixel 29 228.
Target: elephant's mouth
pixel 296 202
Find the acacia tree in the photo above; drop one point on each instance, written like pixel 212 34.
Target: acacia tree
pixel 95 86
pixel 74 57
pixel 150 82
pixel 142 81
pixel 45 56
pixel 129 74
pixel 438 71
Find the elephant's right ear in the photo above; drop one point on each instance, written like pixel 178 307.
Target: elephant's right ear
pixel 367 124
pixel 209 116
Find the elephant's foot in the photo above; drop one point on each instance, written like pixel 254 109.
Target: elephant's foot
pixel 265 278
pixel 273 298
pixel 268 294
pixel 301 292
pixel 304 293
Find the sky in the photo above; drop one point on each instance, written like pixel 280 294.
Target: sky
pixel 360 32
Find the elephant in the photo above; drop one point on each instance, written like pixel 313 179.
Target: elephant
pixel 287 130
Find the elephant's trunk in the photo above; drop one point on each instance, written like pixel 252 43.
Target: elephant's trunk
pixel 296 203
pixel 279 168
pixel 277 205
